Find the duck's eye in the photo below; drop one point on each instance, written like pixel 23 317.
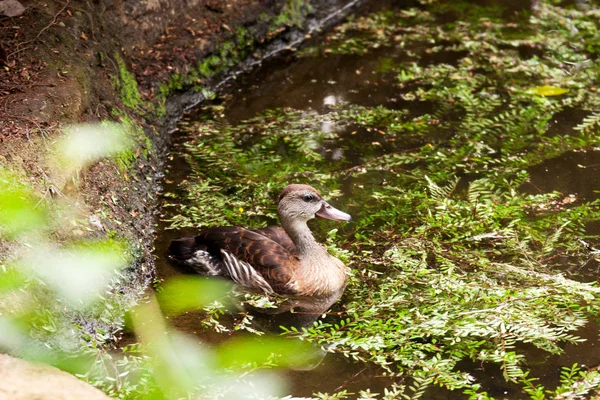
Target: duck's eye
pixel 308 197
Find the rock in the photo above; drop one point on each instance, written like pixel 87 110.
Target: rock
pixel 22 380
pixel 11 8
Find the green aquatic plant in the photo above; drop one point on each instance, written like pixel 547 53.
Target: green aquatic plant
pixel 457 256
pixel 274 146
pixel 452 257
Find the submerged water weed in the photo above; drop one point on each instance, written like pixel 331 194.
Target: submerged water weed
pixel 237 169
pixel 455 255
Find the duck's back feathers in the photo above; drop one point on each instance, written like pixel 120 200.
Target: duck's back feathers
pixel 278 235
pixel 250 257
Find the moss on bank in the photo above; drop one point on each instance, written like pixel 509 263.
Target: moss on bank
pixel 127 85
pixel 235 47
pixel 293 13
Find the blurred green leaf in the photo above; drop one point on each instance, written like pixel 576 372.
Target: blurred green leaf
pixel 86 143
pixel 15 339
pixel 18 212
pixel 77 273
pixel 10 279
pixel 183 365
pixel 547 91
pixel 181 294
pixel 69 362
pixel 283 352
pixel 180 363
pixel 12 335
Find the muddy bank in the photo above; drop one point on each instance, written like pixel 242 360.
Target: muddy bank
pixel 140 63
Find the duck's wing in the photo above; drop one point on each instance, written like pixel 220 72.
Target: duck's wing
pixel 250 258
pixel 278 235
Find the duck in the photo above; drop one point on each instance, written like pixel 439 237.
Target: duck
pixel 281 260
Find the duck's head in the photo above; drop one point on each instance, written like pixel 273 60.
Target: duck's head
pixel 303 202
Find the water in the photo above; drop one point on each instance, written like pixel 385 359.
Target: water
pixel 573 173
pixel 316 84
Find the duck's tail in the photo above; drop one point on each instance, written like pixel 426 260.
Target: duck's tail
pixel 187 252
pixel 182 250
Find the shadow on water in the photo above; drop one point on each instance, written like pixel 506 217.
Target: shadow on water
pixel 573 173
pixel 317 83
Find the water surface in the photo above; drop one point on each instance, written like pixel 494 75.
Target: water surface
pixel 327 82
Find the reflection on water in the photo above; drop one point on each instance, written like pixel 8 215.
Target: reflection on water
pixel 308 84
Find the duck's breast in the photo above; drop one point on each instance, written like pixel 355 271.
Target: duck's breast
pixel 321 276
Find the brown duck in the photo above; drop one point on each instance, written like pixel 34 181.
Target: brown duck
pixel 285 260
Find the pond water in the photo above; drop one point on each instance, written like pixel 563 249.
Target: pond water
pixel 369 114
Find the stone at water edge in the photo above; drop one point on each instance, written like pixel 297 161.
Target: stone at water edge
pixel 22 380
pixel 11 8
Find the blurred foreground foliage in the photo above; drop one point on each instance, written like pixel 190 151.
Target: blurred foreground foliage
pixel 59 291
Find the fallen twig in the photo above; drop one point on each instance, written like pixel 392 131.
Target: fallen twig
pixel 54 20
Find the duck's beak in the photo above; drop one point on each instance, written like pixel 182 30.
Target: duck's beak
pixel 329 212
